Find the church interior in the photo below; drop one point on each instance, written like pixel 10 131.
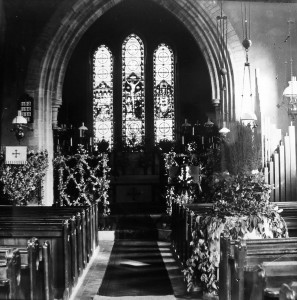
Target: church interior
pixel 148 149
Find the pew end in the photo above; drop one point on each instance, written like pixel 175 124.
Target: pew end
pixel 276 279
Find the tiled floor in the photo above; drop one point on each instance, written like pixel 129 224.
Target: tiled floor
pixel 94 275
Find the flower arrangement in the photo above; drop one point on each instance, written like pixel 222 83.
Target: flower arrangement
pixel 133 144
pixel 102 146
pixel 22 183
pixel 241 209
pixel 82 179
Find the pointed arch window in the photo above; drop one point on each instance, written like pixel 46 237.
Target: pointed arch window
pixel 164 112
pixel 103 95
pixel 133 94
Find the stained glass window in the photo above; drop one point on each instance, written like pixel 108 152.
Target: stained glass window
pixel 133 130
pixel 103 95
pixel 164 93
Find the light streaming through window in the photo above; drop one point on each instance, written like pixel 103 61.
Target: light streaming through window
pixel 164 93
pixel 103 95
pixel 133 109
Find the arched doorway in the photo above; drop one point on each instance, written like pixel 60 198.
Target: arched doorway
pixel 48 66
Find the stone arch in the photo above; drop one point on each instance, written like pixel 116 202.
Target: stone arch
pixel 49 61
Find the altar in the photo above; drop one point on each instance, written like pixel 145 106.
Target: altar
pixel 135 177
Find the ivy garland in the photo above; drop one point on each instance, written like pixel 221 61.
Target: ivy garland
pixel 22 183
pixel 241 210
pixel 83 179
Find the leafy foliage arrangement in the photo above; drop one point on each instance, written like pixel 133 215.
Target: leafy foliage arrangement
pixel 242 149
pixel 241 209
pixel 230 180
pixel 82 179
pixel 22 183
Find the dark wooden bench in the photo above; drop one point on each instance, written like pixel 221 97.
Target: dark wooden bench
pixel 78 235
pixel 35 270
pixel 58 236
pixel 88 215
pixel 183 224
pixel 237 256
pixel 250 253
pixel 10 269
pixel 78 240
pixel 267 279
pixel 288 291
pixel 289 214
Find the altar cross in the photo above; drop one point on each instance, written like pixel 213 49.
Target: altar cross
pixel 133 192
pixel 16 153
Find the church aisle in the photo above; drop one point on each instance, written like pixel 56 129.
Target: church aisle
pixel 94 277
pixel 135 268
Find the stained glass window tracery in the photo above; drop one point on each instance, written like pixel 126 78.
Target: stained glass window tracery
pixel 133 95
pixel 103 95
pixel 164 113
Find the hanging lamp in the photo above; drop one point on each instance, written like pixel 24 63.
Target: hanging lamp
pixel 248 117
pixel 223 37
pixel 290 92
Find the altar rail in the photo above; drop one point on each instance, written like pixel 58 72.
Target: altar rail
pixel 279 161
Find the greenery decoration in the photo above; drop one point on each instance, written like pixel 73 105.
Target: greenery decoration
pixel 242 149
pixel 82 179
pixel 166 146
pixel 102 146
pixel 241 210
pixel 133 144
pixel 22 184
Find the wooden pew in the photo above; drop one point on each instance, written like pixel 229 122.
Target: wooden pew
pixel 269 279
pixel 289 214
pixel 250 253
pixel 288 291
pixel 34 279
pixel 58 237
pixel 235 256
pixel 29 266
pixel 183 223
pixel 84 230
pixel 89 222
pixel 76 234
pixel 84 243
pixel 10 269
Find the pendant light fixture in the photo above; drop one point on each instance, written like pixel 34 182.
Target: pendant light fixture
pixel 290 92
pixel 222 37
pixel 248 117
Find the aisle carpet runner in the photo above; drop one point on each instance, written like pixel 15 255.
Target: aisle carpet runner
pixel 135 268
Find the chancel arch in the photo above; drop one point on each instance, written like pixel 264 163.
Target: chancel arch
pixel 49 62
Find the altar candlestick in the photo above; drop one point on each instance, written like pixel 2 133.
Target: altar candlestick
pixel 202 140
pixel 183 140
pixel 193 130
pixel 71 141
